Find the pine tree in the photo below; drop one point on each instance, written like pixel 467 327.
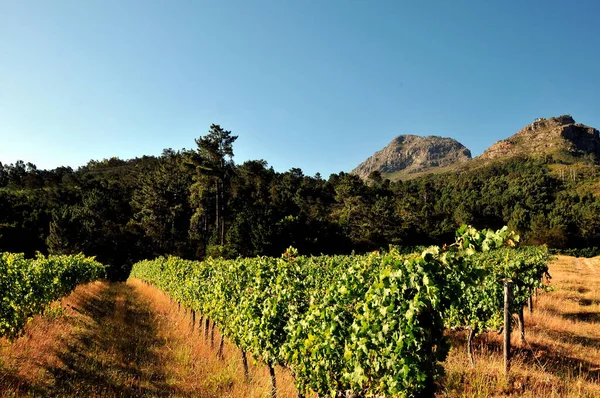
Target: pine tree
pixel 214 168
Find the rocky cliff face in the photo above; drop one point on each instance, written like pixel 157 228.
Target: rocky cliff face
pixel 414 154
pixel 547 136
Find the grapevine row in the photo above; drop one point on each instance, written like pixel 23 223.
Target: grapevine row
pixel 28 286
pixel 368 325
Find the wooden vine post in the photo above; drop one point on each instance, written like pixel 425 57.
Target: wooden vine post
pixel 220 350
pixel 212 335
pixel 521 324
pixel 507 324
pixel 470 347
pixel 273 381
pixel 245 363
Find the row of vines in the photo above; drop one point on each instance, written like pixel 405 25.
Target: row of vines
pixel 355 325
pixel 28 286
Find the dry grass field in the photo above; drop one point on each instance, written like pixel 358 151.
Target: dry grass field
pixel 128 339
pixel 561 353
pixel 125 339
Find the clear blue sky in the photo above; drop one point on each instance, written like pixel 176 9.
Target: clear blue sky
pixel 315 84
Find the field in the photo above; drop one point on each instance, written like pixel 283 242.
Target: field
pixel 129 339
pixel 561 354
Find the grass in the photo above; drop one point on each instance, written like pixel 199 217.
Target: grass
pixel 561 354
pixel 125 339
pixel 106 343
pixel 128 339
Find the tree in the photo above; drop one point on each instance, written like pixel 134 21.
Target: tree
pixel 63 235
pixel 213 166
pixel 161 205
pixel 252 228
pixel 3 176
pixel 16 174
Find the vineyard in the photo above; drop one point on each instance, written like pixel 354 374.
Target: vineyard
pixel 28 286
pixel 356 325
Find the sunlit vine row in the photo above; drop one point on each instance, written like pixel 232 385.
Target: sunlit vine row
pixel 27 286
pixel 367 324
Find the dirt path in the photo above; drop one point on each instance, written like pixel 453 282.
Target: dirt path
pixel 116 350
pixel 592 264
pixel 108 345
pixel 124 340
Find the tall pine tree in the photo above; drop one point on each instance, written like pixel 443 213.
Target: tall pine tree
pixel 214 169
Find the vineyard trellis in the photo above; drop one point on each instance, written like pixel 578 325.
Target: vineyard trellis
pixel 362 324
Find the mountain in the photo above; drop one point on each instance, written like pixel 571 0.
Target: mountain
pixel 411 154
pixel 558 136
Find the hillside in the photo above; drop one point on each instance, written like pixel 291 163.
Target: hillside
pixel 554 136
pixel 411 154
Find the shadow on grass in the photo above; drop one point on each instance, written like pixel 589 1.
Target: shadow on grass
pixel 113 351
pixel 539 355
pixel 588 302
pixel 11 385
pixel 572 339
pixel 116 351
pixel 588 316
pixel 555 363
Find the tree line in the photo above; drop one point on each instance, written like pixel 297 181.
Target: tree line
pixel 199 203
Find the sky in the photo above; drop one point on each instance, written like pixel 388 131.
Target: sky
pixel 315 84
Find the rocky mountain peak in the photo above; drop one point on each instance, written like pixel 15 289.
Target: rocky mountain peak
pixel 410 154
pixel 545 136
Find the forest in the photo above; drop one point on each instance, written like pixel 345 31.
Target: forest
pixel 199 203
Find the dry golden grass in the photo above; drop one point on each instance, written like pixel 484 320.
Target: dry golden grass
pixel 194 365
pixel 561 355
pixel 116 339
pixel 102 341
pixel 26 364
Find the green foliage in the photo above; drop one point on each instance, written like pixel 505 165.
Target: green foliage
pixel 586 252
pixel 399 331
pixel 316 315
pixel 161 208
pixel 369 324
pixel 479 306
pixel 475 276
pixel 27 287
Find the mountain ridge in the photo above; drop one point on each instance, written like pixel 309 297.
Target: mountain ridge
pixel 411 156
